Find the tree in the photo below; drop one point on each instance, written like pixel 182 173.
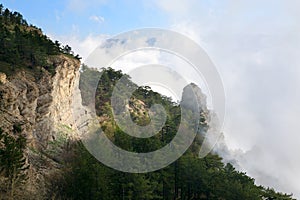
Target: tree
pixel 23 46
pixel 12 161
pixel 6 14
pixel 67 49
pixel 270 194
pixel 1 8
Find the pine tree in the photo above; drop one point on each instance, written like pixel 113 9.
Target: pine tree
pixel 12 161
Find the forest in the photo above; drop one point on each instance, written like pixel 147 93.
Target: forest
pixel 24 46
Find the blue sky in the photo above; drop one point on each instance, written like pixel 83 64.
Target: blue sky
pixel 67 17
pixel 254 44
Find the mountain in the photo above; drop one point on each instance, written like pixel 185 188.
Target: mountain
pixel 187 178
pixel 37 81
pixel 42 156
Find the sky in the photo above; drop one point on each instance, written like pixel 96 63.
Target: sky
pixel 255 46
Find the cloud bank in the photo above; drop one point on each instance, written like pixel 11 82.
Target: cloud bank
pixel 255 46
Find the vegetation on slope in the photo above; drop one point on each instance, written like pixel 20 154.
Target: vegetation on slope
pixel 187 178
pixel 13 165
pixel 25 46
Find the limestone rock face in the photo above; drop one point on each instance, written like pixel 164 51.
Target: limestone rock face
pixel 39 104
pixel 2 78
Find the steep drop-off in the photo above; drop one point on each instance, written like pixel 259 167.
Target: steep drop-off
pixel 40 104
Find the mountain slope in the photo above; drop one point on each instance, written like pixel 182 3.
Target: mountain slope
pixel 188 178
pixel 36 93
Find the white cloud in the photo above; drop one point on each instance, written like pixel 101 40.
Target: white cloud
pixel 98 19
pixel 255 46
pixel 82 46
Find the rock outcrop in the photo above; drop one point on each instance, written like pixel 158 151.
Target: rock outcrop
pixel 2 78
pixel 40 103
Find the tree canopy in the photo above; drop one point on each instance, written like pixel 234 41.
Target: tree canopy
pixel 25 46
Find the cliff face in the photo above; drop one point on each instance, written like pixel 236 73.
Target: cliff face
pixel 38 102
pixel 41 105
pixel 65 83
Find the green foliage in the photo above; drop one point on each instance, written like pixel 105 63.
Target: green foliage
pixel 270 194
pixel 105 81
pixel 23 45
pixel 17 128
pixel 12 161
pixel 187 178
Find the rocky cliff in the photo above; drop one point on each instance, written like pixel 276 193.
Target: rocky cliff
pixel 40 104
